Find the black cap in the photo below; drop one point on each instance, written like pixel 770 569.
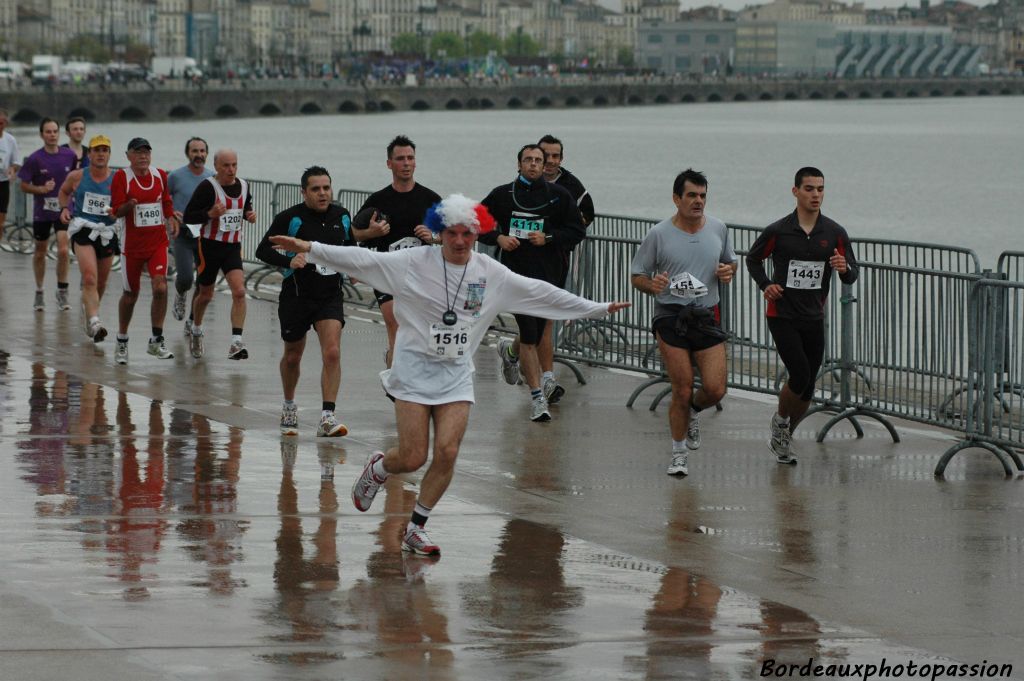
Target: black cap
pixel 139 143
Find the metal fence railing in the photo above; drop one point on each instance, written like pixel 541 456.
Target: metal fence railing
pixel 1011 263
pixel 995 400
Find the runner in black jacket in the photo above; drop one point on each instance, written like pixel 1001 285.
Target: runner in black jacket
pixel 554 154
pixel 537 223
pixel 805 246
pixel 310 296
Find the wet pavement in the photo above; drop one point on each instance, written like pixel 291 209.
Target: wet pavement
pixel 156 526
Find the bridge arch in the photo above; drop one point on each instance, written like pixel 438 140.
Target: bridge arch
pixel 453 104
pixel 911 93
pixel 270 109
pixel 815 95
pixel 888 94
pixel 936 93
pixel 420 105
pixel 387 105
pixel 600 100
pixel 766 97
pixel 790 96
pixel 739 97
pixel 515 103
pixel 83 113
pixel 181 112
pixel 348 106
pixel 959 93
pixel 486 103
pixel 983 92
pixel 572 101
pixel 226 111
pixel 714 97
pixel 635 99
pixel 544 102
pixel 864 94
pixel 25 116
pixel 661 99
pixel 310 108
pixel 688 98
pixel 840 94
pixel 132 113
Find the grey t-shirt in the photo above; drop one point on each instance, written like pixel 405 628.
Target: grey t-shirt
pixel 689 259
pixel 182 183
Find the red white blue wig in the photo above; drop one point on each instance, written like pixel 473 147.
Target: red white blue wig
pixel 459 210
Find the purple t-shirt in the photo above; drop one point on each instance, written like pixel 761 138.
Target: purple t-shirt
pixel 40 168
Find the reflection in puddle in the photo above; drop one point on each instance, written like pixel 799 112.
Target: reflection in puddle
pixel 158 501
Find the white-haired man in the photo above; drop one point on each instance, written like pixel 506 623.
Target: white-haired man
pixel 445 299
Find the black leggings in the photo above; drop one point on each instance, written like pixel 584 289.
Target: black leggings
pixel 801 346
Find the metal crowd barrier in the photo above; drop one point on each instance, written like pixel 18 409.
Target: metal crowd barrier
pixel 1011 263
pixel 995 404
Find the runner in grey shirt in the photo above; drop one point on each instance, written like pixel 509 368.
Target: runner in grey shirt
pixel 681 262
pixel 182 183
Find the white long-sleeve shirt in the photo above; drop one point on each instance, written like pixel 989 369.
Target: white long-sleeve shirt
pixel 428 367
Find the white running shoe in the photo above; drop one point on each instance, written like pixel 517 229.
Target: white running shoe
pixel 780 443
pixel 289 420
pixel 693 431
pixel 238 351
pixel 62 299
pixel 509 367
pixel 678 465
pixel 418 541
pixel 121 353
pixel 40 302
pixel 539 410
pixel 179 306
pixel 159 349
pixel 366 486
pixel 188 328
pixel 329 427
pixel 97 332
pixel 195 344
pixel 552 390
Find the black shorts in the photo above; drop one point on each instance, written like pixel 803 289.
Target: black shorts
pixel 216 257
pixel 298 314
pixel 5 196
pixel 693 340
pixel 41 230
pixel 382 297
pixel 531 329
pixel 81 239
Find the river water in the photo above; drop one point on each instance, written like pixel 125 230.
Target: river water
pixel 936 170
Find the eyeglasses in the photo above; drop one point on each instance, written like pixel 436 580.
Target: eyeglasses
pixel 532 161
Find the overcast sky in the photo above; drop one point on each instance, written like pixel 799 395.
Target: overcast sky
pixel 740 4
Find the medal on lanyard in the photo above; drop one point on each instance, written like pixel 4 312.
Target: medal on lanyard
pixel 449 317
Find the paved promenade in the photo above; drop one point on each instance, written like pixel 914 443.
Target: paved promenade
pixel 154 525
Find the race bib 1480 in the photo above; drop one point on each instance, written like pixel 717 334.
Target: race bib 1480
pixel 149 215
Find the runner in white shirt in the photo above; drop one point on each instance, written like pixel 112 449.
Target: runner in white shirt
pixel 445 300
pixel 10 163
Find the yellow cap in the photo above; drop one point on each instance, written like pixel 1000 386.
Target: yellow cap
pixel 100 141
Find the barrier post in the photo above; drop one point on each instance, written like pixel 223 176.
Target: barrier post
pixel 847 367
